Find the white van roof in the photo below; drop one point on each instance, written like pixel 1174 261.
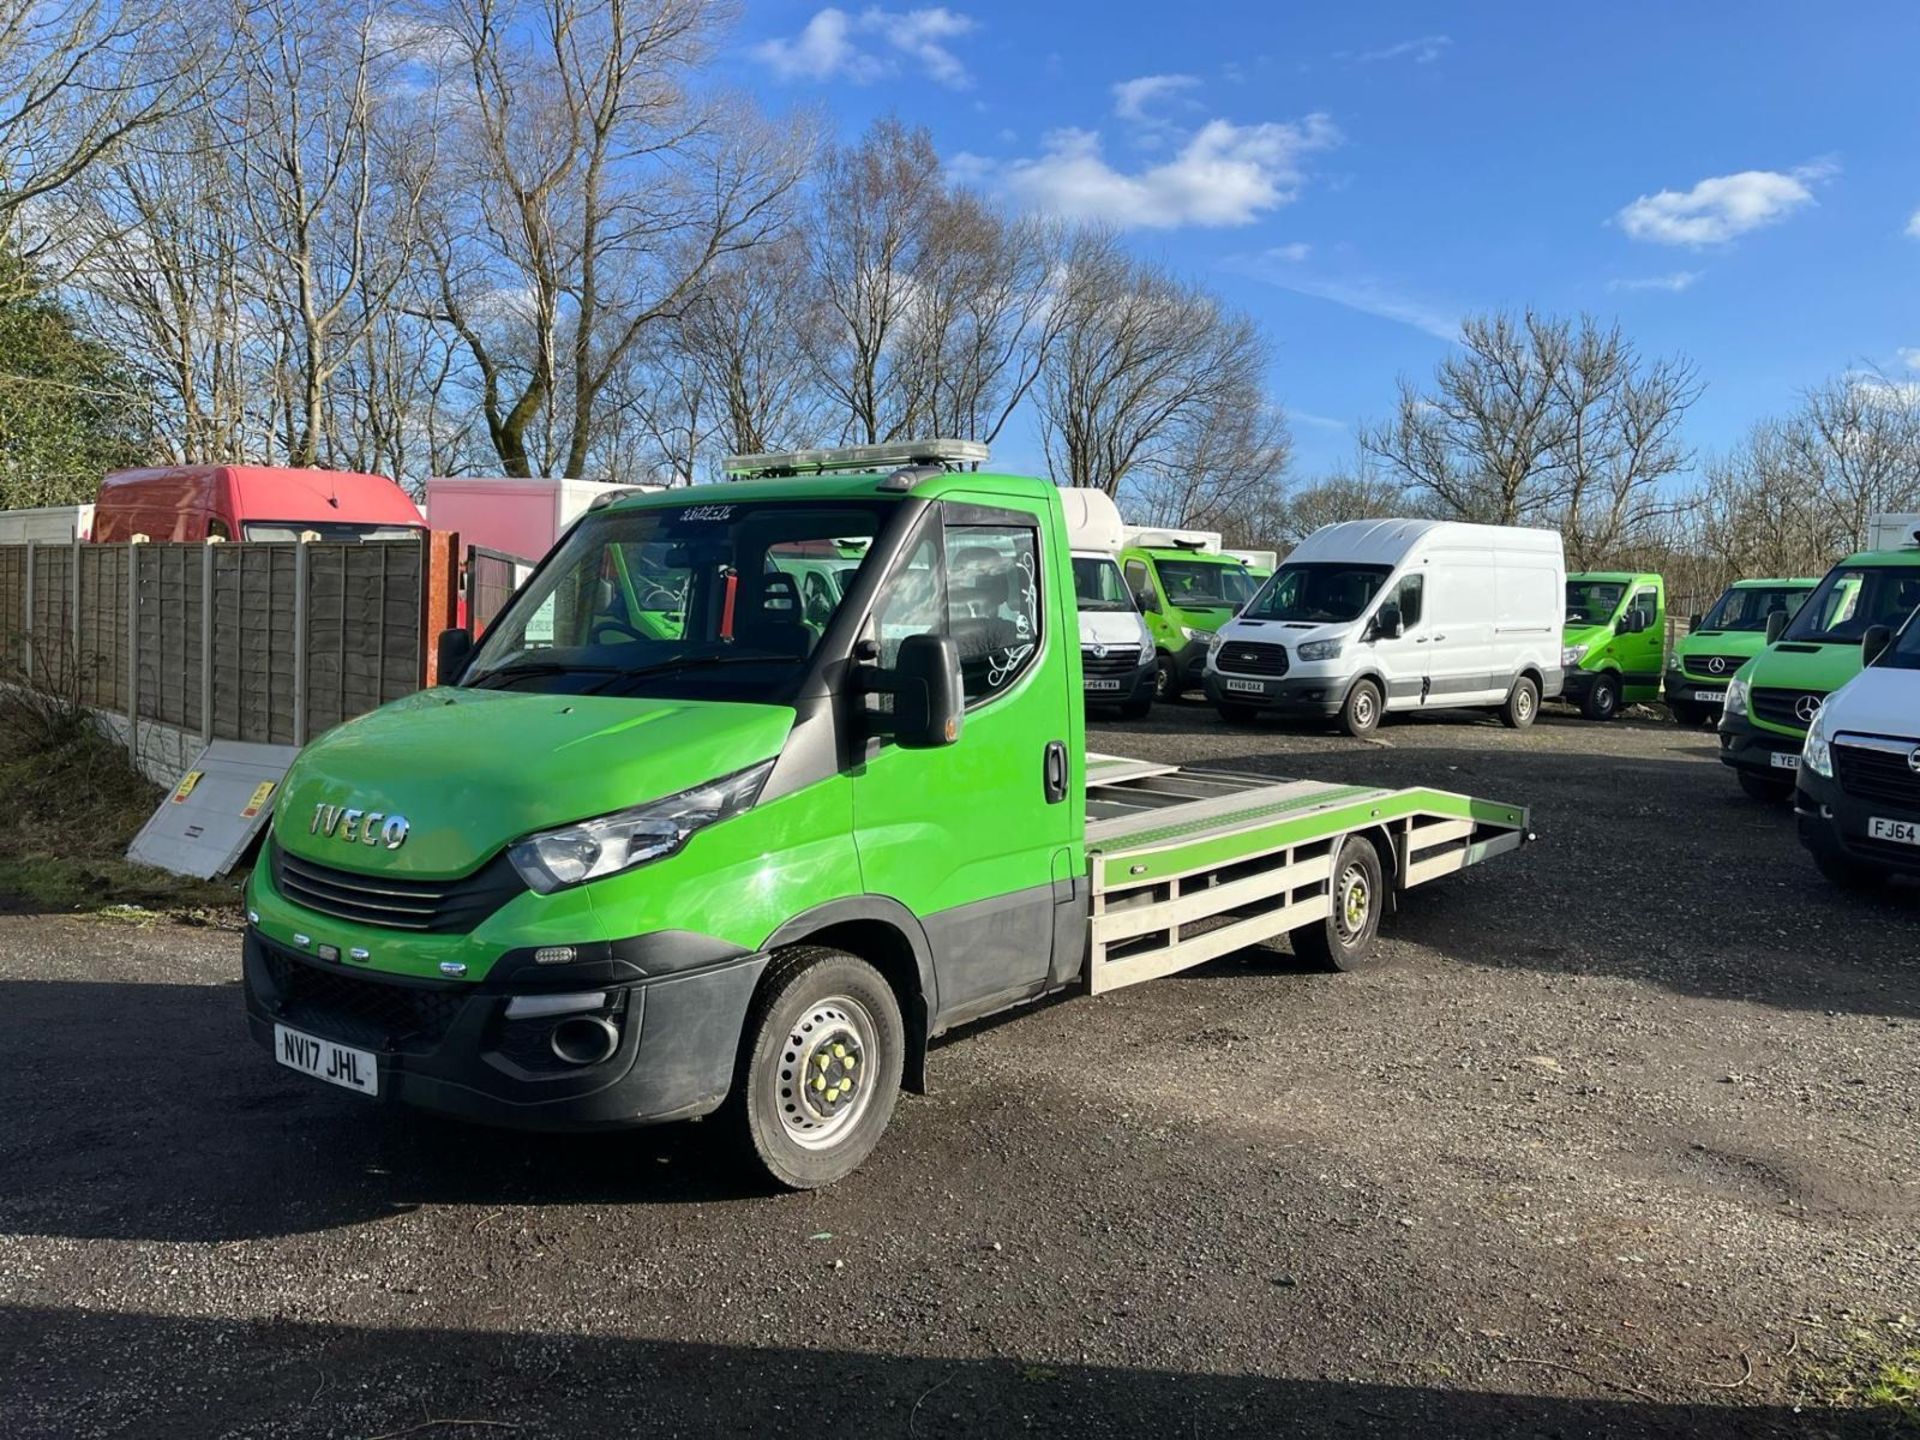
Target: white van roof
pixel 1093 520
pixel 1386 542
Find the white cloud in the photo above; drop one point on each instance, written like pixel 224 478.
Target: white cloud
pixel 1224 174
pixel 1913 225
pixel 1422 50
pixel 1132 97
pixel 872 45
pixel 1721 207
pixel 1673 283
pixel 1369 296
pixel 1293 253
pixel 1909 356
pixel 1317 422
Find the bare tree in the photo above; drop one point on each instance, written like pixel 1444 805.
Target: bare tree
pixel 1855 445
pixel 1362 491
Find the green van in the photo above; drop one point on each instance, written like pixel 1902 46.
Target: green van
pixel 1719 642
pixel 1776 695
pixel 1614 640
pixel 1186 593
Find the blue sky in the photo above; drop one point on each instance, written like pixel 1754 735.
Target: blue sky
pixel 1738 183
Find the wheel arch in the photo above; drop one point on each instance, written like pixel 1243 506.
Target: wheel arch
pixel 889 937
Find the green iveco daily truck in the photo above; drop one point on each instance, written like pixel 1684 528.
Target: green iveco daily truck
pixel 1719 642
pixel 1776 695
pixel 1615 636
pixel 674 839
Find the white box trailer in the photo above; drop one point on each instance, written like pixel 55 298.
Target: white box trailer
pixel 47 525
pixel 1893 532
pixel 520 517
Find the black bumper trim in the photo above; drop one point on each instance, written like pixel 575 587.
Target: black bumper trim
pixel 1827 817
pixel 1319 697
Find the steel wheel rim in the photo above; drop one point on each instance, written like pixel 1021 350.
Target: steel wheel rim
pixel 1363 709
pixel 823 1083
pixel 1353 902
pixel 1523 703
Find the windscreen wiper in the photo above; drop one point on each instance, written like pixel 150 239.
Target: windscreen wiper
pixel 528 669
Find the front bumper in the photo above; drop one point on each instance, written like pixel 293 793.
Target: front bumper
pixel 1190 662
pixel 1745 746
pixel 1576 685
pixel 449 1046
pixel 1687 690
pixel 1317 697
pixel 1830 819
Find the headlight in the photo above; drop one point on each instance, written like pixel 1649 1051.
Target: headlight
pixel 1673 661
pixel 1192 634
pixel 1736 701
pixel 1213 645
pixel 1817 753
pixel 574 854
pixel 1572 656
pixel 1146 635
pixel 1321 649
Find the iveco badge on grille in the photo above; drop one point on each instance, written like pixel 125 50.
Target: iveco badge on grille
pixel 359 827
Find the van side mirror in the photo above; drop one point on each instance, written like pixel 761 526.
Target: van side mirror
pixel 1388 624
pixel 451 652
pixel 1874 643
pixel 1776 625
pixel 1144 599
pixel 1693 621
pixel 928 701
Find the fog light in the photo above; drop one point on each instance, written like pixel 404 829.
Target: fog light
pixel 584 1040
pixel 554 955
pixel 253 917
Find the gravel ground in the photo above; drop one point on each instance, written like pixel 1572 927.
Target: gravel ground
pixel 1622 1135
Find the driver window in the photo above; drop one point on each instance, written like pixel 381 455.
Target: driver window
pixel 1647 604
pixel 1139 582
pixel 914 602
pixel 1409 595
pixel 994 606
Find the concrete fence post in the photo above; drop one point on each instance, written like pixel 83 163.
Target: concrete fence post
pixel 133 646
pixel 206 643
pixel 73 619
pixel 26 617
pixel 300 571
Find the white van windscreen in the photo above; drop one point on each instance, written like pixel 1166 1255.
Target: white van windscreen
pixel 1318 593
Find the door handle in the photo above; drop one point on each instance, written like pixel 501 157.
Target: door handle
pixel 1056 775
pixel 1421 639
pixel 1438 638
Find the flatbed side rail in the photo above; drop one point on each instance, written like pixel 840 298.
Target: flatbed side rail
pixel 1167 904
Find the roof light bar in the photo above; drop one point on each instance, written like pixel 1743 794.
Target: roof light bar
pixel 853 459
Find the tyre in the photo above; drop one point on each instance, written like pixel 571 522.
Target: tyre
pixel 1136 709
pixel 1166 680
pixel 1603 700
pixel 1361 713
pixel 1523 704
pixel 1765 787
pixel 819 1069
pixel 1844 871
pixel 1344 940
pixel 1238 714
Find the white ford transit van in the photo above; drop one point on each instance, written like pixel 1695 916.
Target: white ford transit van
pixel 1371 617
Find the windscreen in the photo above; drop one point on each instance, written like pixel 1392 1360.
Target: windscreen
pixel 1904 653
pixel 1097 584
pixel 1239 586
pixel 1320 593
pixel 714 601
pixel 1592 602
pixel 1203 585
pixel 1853 597
pixel 333 531
pixel 1747 608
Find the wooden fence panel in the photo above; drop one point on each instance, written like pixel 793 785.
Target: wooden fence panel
pixel 13 603
pixel 168 643
pixel 102 632
pixel 363 640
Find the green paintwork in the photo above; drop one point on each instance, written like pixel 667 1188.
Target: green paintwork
pixel 1735 644
pixel 1818 668
pixel 1169 621
pixel 1637 659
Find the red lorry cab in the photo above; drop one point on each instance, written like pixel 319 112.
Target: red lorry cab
pixel 248 502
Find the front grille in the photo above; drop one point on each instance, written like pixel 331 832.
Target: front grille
pixel 1877 775
pixel 393 902
pixel 1777 707
pixel 362 1009
pixel 1250 657
pixel 1701 666
pixel 1116 662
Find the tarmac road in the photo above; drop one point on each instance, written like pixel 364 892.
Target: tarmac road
pixel 1620 1139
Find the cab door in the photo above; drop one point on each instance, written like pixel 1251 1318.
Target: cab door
pixel 1643 652
pixel 967 835
pixel 1405 661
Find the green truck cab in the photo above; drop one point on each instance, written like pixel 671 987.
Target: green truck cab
pixel 1719 642
pixel 1614 640
pixel 1775 696
pixel 598 877
pixel 1186 590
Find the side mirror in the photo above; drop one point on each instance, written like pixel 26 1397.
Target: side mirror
pixel 1387 624
pixel 928 702
pixel 1874 643
pixel 1693 621
pixel 452 651
pixel 1776 625
pixel 1144 599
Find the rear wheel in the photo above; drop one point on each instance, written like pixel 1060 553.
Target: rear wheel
pixel 1523 704
pixel 1765 787
pixel 1603 700
pixel 1344 940
pixel 1238 714
pixel 819 1067
pixel 1361 714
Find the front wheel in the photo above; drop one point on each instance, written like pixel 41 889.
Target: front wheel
pixel 1344 940
pixel 1603 700
pixel 819 1067
pixel 1765 787
pixel 1360 716
pixel 1523 704
pixel 1166 680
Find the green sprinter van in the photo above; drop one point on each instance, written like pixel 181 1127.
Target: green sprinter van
pixel 1719 642
pixel 1187 590
pixel 1614 641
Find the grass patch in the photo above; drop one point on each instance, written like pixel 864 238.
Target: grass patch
pixel 1875 1369
pixel 74 804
